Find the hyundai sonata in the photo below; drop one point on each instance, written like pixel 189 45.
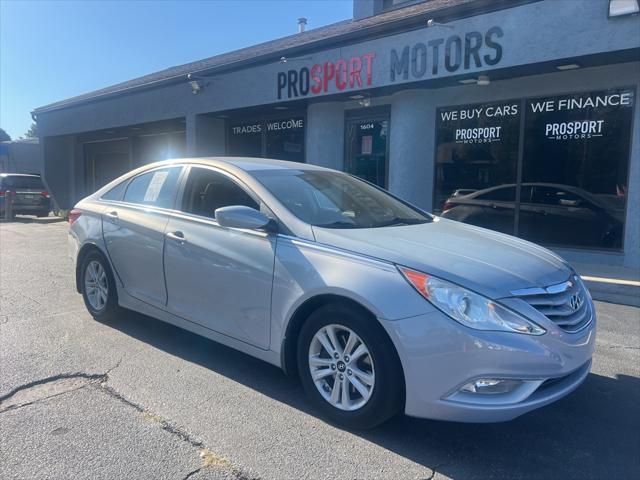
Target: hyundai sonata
pixel 378 306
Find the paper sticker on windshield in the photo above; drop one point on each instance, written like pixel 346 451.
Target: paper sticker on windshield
pixel 155 185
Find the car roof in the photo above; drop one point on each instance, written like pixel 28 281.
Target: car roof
pixel 247 164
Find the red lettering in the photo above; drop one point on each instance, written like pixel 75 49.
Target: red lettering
pixel 368 57
pixel 328 73
pixel 341 74
pixel 355 68
pixel 317 80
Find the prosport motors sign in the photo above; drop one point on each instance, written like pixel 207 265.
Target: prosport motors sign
pixel 345 74
pixel 479 123
pixel 579 116
pixel 455 53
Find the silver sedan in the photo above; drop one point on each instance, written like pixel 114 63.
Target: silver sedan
pixel 378 306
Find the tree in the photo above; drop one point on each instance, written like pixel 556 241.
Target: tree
pixel 32 132
pixel 4 136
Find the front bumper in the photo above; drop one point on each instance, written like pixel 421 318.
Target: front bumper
pixel 439 356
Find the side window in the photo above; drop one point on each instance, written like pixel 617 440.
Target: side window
pixel 554 196
pixel 503 194
pixel 156 188
pixel 116 192
pixel 207 190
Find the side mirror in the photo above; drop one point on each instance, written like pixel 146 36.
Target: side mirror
pixel 239 216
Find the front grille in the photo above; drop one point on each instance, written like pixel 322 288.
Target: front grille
pixel 566 304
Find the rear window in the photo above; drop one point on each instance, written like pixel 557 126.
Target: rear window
pixel 116 192
pixel 156 188
pixel 18 182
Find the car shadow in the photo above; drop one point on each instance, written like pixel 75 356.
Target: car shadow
pixel 592 433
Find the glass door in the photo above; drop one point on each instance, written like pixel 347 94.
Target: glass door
pixel 367 148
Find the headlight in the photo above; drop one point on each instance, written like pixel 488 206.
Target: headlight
pixel 467 307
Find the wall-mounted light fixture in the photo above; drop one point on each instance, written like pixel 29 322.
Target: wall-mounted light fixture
pixel 284 59
pixel 621 8
pixel 364 100
pixel 568 66
pixel 482 80
pixel 196 88
pixel 196 83
pixel 432 23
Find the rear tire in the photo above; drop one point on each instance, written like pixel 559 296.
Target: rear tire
pixel 42 214
pixel 98 287
pixel 372 376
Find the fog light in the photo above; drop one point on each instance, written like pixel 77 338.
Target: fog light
pixel 491 386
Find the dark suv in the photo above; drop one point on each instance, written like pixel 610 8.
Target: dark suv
pixel 28 194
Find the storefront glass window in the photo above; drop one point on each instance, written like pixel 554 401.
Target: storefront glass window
pixel 245 140
pixel 574 164
pixel 280 138
pixel 367 149
pixel 576 154
pixel 476 164
pixel 285 139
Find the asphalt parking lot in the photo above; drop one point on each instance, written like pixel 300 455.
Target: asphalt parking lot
pixel 137 398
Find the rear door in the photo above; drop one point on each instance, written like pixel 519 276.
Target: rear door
pixel 219 277
pixel 559 217
pixel 133 230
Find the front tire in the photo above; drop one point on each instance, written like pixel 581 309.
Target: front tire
pixel 98 287
pixel 349 368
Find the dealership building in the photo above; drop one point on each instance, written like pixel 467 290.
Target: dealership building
pixel 517 115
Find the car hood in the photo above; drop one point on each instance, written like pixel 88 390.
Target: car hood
pixel 485 261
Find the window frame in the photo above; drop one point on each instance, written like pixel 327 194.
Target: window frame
pixel 194 216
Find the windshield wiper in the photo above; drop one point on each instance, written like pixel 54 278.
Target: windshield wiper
pixel 338 224
pixel 403 221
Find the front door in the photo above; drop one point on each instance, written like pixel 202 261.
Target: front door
pixel 367 148
pixel 134 233
pixel 219 277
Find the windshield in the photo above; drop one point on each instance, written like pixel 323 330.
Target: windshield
pixel 337 200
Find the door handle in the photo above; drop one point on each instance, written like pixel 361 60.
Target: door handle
pixel 112 215
pixel 178 236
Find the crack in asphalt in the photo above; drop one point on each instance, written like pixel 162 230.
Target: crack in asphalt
pixel 99 381
pixel 91 378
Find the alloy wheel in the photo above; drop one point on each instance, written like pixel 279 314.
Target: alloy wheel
pixel 341 367
pixel 96 285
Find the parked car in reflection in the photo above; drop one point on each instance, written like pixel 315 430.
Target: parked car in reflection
pixel 378 306
pixel 462 192
pixel 28 195
pixel 549 214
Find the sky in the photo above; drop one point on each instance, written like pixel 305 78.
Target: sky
pixel 52 50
